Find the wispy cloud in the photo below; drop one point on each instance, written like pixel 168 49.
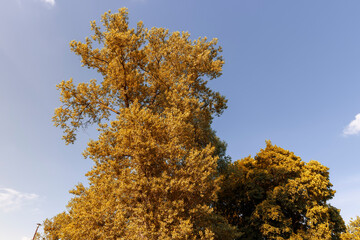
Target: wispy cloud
pixel 11 199
pixel 51 3
pixel 354 126
pixel 24 3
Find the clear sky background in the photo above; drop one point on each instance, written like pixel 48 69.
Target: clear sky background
pixel 292 75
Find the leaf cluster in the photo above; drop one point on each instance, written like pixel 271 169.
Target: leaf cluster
pixel 352 230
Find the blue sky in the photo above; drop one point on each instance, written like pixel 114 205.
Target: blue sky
pixel 292 75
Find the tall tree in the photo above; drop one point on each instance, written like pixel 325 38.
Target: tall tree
pixel 278 196
pixel 154 174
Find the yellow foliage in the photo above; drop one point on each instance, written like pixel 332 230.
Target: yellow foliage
pixel 155 159
pixel 352 230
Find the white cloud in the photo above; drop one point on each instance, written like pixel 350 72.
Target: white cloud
pixel 11 200
pixel 26 238
pixel 49 2
pixel 354 126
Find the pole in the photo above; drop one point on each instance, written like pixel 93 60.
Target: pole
pixel 38 225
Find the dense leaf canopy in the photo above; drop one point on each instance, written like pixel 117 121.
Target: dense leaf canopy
pixel 278 196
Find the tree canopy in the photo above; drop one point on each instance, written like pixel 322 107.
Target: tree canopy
pixel 276 195
pixel 160 172
pixel 155 160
